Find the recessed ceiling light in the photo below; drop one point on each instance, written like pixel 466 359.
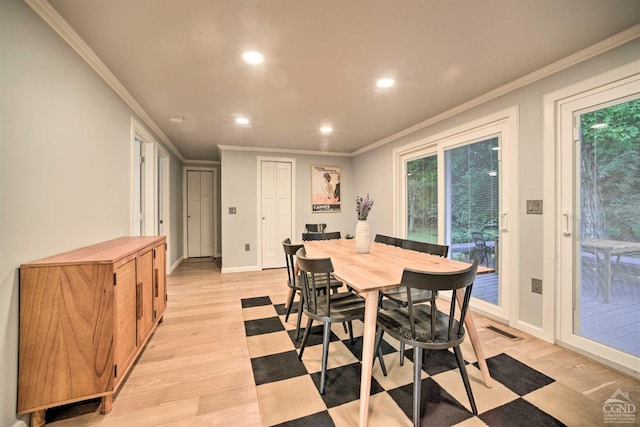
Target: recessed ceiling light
pixel 176 118
pixel 385 82
pixel 326 129
pixel 242 121
pixel 253 57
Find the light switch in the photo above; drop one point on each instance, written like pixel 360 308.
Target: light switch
pixel 534 207
pixel 232 211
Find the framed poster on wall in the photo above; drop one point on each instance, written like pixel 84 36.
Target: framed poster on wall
pixel 325 189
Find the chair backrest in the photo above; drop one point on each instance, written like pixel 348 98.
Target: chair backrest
pixel 439 282
pixel 428 248
pixel 316 277
pixel 315 228
pixel 290 250
pixel 388 240
pixel 332 235
pixel 478 239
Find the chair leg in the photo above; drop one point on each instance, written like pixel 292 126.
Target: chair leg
pixel 465 379
pixel 417 385
pixel 401 354
pixel 350 327
pixel 292 294
pixel 325 355
pixel 378 352
pixel 300 305
pixel 305 337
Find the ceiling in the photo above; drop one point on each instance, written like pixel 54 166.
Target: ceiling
pixel 322 59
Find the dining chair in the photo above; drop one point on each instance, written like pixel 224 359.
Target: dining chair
pixel 425 327
pixel 481 251
pixel 332 235
pixel 388 240
pixel 418 296
pixel 295 287
pixel 315 228
pixel 326 307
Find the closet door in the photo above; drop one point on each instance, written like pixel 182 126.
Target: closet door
pixel 276 211
pixel 199 213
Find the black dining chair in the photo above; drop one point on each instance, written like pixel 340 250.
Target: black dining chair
pixel 315 228
pixel 399 295
pixel 293 282
pixel 425 327
pixel 388 240
pixel 332 235
pixel 325 307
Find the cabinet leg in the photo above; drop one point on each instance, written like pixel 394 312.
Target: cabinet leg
pixel 37 418
pixel 107 403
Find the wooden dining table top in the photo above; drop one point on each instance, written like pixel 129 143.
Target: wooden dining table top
pixel 382 267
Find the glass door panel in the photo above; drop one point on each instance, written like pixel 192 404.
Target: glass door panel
pixel 472 198
pixel 607 235
pixel 422 199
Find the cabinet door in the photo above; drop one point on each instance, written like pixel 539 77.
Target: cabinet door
pixel 160 292
pixel 126 323
pixel 145 292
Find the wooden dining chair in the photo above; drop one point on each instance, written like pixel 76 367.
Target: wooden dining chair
pixel 332 235
pixel 325 307
pixel 425 327
pixel 399 295
pixel 388 240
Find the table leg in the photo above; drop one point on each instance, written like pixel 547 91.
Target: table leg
pixel 472 332
pixel 370 316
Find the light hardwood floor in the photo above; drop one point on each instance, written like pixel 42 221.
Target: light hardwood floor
pixel 196 369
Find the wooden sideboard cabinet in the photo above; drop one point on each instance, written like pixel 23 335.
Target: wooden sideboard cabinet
pixel 85 316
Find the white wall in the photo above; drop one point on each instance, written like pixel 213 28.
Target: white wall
pixel 64 164
pixel 239 179
pixel 373 169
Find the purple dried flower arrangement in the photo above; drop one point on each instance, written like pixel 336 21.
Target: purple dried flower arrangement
pixel 363 207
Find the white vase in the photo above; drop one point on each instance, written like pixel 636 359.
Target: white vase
pixel 363 241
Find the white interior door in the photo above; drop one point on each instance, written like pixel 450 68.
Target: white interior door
pixel 276 211
pixel 193 214
pixel 200 215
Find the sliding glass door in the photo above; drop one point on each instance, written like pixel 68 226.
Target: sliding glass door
pixel 450 191
pixel 472 203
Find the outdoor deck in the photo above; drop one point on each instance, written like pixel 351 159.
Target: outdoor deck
pixel 615 323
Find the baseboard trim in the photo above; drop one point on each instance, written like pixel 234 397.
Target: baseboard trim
pixel 175 265
pixel 225 270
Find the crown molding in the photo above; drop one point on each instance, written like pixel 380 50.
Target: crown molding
pixel 69 35
pixel 282 150
pixel 605 45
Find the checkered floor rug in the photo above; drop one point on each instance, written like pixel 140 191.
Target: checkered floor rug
pixel 288 388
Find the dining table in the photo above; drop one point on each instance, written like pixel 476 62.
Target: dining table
pixel 378 270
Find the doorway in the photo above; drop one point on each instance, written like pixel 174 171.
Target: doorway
pixel 201 185
pixel 599 237
pixel 457 188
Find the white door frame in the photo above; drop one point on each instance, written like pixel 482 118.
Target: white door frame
pixel 259 160
pixel 216 195
pixel 557 319
pixel 504 122
pixel 163 181
pixel 148 179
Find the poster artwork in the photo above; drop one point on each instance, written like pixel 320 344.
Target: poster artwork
pixel 325 189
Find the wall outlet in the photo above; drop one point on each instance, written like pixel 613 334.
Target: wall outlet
pixel 247 247
pixel 232 211
pixel 536 286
